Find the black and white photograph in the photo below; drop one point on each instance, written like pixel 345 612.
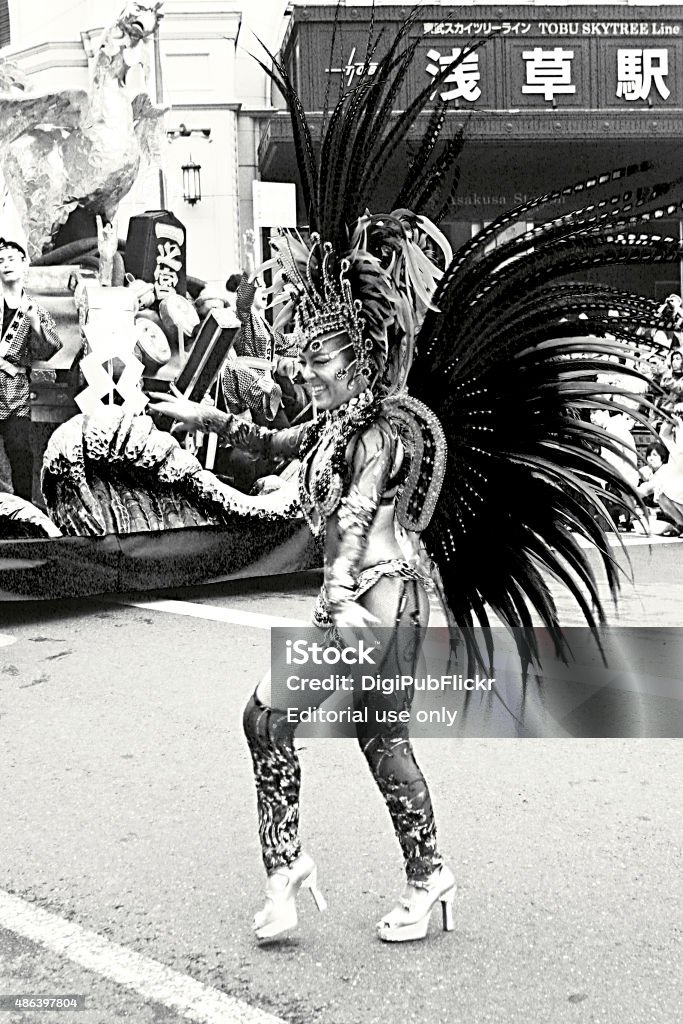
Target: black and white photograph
pixel 341 512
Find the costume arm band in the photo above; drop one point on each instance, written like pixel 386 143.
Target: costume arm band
pixel 373 459
pixel 241 434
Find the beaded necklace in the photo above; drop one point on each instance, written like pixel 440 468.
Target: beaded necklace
pixel 324 471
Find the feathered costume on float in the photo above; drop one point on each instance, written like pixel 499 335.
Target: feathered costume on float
pixel 477 358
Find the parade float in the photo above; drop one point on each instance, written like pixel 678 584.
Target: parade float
pixel 125 505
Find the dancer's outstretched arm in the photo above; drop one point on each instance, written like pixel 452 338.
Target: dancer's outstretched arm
pixel 233 429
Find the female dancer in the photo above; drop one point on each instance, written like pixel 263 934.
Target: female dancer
pixel 448 393
pixel 353 464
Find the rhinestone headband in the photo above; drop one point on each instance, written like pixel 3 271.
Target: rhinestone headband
pixel 330 310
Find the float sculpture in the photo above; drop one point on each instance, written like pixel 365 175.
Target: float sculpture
pixel 127 506
pixel 78 150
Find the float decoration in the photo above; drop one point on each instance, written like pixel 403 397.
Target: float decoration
pixel 128 508
pixel 78 150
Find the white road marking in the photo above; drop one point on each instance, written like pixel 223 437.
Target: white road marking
pixel 6 640
pixel 205 611
pixel 150 979
pixel 258 620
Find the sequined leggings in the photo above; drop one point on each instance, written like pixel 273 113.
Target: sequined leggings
pixel 388 752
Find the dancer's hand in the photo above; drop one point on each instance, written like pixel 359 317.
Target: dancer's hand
pixel 187 414
pixel 355 623
pixel 354 616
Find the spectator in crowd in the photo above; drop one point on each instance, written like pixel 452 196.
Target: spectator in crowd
pixel 267 398
pixel 254 389
pixel 672 383
pixel 655 457
pixel 231 286
pixel 655 368
pixel 257 339
pixel 258 379
pixel 620 426
pixel 666 483
pixel 28 333
pixel 262 379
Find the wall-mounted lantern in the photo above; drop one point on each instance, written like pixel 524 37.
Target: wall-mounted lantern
pixel 192 182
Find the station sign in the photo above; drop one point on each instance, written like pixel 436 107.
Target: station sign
pixel 580 63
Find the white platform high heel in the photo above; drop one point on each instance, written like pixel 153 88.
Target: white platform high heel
pixel 409 919
pixel 279 914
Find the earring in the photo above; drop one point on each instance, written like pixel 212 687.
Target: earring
pixel 342 374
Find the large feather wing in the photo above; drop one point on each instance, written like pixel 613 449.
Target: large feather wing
pixel 510 364
pixel 340 176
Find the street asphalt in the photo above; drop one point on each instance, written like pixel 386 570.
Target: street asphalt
pixel 128 810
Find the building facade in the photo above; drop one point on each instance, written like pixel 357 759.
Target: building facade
pixel 548 95
pixel 555 93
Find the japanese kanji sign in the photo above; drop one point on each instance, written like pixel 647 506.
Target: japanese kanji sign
pixel 548 72
pixel 640 71
pixel 527 61
pixel 463 81
pixel 169 258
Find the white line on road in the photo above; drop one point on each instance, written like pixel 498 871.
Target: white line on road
pixel 258 620
pixel 205 611
pixel 141 974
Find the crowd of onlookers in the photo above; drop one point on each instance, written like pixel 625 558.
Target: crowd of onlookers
pixel 653 468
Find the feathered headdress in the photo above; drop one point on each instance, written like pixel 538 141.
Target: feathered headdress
pixel 377 291
pixel 387 265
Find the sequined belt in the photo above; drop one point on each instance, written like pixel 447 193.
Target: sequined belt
pixel 396 567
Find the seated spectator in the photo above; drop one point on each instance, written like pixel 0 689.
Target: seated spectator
pixel 655 457
pixel 666 483
pixel 672 383
pixel 621 451
pixel 658 523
